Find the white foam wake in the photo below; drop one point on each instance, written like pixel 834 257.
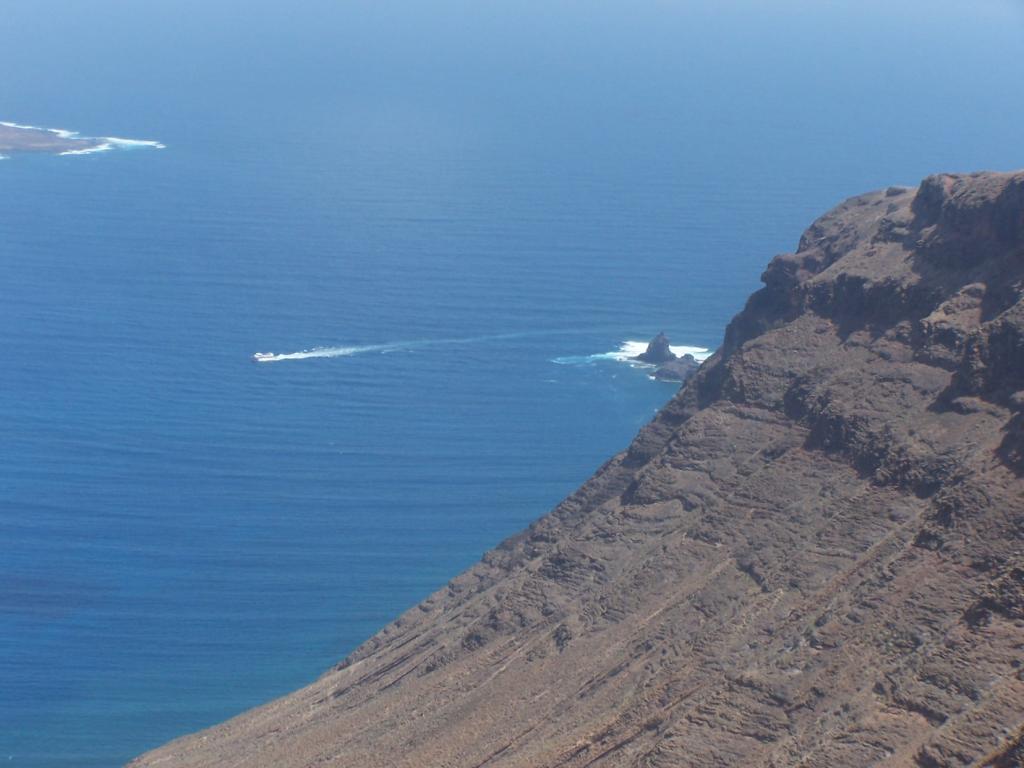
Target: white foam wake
pixel 627 352
pixel 306 354
pixel 398 346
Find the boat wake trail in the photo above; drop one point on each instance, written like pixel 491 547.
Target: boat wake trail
pixel 306 354
pixel 398 346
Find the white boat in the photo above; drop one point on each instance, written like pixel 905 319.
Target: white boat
pixel 261 357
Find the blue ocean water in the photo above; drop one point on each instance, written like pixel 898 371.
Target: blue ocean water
pixel 185 534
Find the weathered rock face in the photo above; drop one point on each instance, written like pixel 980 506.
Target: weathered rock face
pixel 813 556
pixel 680 369
pixel 658 351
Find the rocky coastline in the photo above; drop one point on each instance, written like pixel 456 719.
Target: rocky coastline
pixel 813 555
pixel 19 138
pixel 26 139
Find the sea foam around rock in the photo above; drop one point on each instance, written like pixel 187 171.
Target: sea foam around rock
pixel 627 352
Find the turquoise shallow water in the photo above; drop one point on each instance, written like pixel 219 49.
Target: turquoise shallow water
pixel 185 533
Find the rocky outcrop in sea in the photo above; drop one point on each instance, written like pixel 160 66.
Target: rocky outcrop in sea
pixel 670 366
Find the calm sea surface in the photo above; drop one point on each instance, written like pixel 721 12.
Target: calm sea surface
pixel 472 190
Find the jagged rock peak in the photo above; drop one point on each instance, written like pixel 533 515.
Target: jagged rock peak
pixel 658 351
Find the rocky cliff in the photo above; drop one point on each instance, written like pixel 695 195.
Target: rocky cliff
pixel 813 556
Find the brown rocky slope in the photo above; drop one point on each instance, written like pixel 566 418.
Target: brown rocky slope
pixel 813 556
